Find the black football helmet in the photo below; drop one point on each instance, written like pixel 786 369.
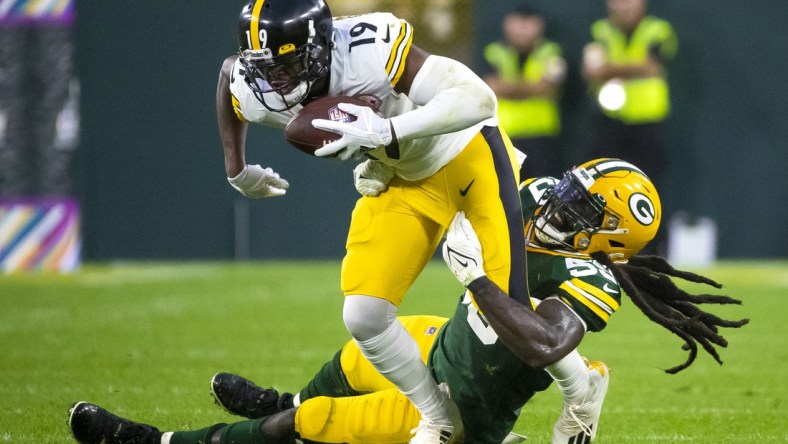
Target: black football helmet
pixel 285 47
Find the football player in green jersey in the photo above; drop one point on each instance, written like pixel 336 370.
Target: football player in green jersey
pixel 583 231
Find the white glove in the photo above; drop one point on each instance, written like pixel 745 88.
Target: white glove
pixel 367 132
pixel 255 182
pixel 462 250
pixel 372 177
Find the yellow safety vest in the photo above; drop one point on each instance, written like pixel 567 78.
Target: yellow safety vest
pixel 532 117
pixel 646 100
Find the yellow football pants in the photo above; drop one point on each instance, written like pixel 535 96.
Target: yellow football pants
pixel 393 236
pixel 382 414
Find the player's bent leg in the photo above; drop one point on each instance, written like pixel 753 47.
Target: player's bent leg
pixel 330 381
pixel 389 244
pixel 380 417
pixel 91 424
pixel 275 429
pixel 390 241
pixel 580 422
pixel 349 373
pixel 362 377
pixel 492 204
pixel 395 354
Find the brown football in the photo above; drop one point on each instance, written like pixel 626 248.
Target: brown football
pixel 300 133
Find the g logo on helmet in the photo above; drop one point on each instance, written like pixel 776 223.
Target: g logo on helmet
pixel 642 208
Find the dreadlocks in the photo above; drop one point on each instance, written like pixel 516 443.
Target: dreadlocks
pixel 646 279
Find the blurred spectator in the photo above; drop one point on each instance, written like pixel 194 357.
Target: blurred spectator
pixel 526 71
pixel 625 67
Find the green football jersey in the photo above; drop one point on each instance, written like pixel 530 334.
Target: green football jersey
pixel 487 381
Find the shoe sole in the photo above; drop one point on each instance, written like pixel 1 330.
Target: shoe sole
pixel 219 402
pixel 73 410
pixel 216 396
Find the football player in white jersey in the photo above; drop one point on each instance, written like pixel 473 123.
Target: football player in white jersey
pixel 436 132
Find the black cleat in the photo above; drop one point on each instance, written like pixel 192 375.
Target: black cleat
pixel 91 424
pixel 243 397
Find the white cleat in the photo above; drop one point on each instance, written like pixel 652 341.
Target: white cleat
pixel 440 432
pixel 578 423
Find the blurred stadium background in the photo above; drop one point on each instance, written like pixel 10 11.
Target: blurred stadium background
pixel 112 103
pixel 108 144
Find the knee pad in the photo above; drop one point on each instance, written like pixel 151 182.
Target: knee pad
pixel 312 419
pixel 380 417
pixel 366 316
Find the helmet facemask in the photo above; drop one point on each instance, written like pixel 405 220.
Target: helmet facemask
pixel 610 205
pixel 570 209
pixel 284 81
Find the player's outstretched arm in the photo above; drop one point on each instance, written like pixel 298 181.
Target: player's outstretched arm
pixel 232 131
pixel 250 180
pixel 540 337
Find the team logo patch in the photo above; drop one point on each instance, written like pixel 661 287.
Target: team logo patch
pixel 430 331
pixel 337 115
pixel 642 208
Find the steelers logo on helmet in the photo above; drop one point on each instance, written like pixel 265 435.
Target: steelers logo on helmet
pixel 642 208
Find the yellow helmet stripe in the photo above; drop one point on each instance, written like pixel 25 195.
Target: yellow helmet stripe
pixel 254 32
pixel 399 52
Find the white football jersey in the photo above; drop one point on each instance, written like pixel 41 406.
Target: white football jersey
pixel 368 57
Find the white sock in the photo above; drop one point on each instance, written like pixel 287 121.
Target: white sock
pixel 395 354
pixel 571 376
pixel 165 438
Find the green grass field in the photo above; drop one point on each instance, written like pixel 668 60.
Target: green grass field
pixel 144 339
